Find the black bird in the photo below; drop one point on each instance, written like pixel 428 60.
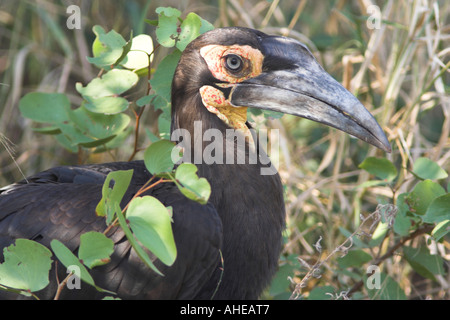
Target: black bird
pixel 229 248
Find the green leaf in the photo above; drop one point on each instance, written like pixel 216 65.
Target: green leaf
pixel 140 54
pixel 357 242
pixel 107 47
pixel 354 258
pixel 162 80
pixel 158 157
pixel 150 222
pixel 438 210
pixel 67 143
pixel 117 142
pixel 193 187
pixel 96 143
pixel 95 249
pixel 111 298
pixel 112 196
pixel 166 32
pixel 97 47
pixel 94 126
pixel 107 105
pixel 280 283
pixel 380 167
pixel 425 168
pixel 114 82
pixel 142 101
pixel 388 290
pixel 402 205
pixel 206 26
pixel 48 130
pixel 125 50
pixel 153 23
pixel 164 126
pixel 153 138
pixel 190 29
pixel 441 229
pixel 379 234
pixel 272 115
pixel 321 293
pixel 422 195
pixel 424 263
pixel 68 259
pixel 45 107
pixel 402 224
pixel 26 266
pixel 136 246
pixel 372 183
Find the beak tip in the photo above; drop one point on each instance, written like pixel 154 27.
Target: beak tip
pixel 387 148
pixel 384 142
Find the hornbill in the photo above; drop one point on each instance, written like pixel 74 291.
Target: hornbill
pixel 228 248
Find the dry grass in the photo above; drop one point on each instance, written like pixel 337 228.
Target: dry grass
pixel 399 70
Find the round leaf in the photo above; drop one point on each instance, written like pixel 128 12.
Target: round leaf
pixel 107 105
pixel 107 48
pixel 190 29
pixel 380 167
pixel 438 210
pixel 26 266
pixel 98 126
pixel 150 222
pixel 112 83
pixel 166 32
pixel 158 157
pixel 424 263
pixel 354 258
pixel 45 107
pixel 136 246
pixel 162 80
pixel 193 187
pixel 425 168
pixel 441 229
pixel 138 56
pixel 389 289
pixel 422 195
pixel 110 197
pixel 48 130
pixel 95 249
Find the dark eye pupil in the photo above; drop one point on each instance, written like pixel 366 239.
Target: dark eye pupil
pixel 233 62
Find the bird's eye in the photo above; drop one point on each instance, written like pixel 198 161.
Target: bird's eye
pixel 233 63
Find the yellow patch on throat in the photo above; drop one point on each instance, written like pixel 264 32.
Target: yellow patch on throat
pixel 215 102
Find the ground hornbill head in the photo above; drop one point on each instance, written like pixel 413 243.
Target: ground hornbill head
pixel 226 70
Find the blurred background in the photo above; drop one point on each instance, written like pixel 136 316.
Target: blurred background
pixel 394 55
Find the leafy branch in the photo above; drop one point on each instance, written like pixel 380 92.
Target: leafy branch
pixel 423 210
pixel 101 124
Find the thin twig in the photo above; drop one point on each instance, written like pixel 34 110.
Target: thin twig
pixel 62 284
pixel 138 115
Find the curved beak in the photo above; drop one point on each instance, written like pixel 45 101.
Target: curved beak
pixel 293 82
